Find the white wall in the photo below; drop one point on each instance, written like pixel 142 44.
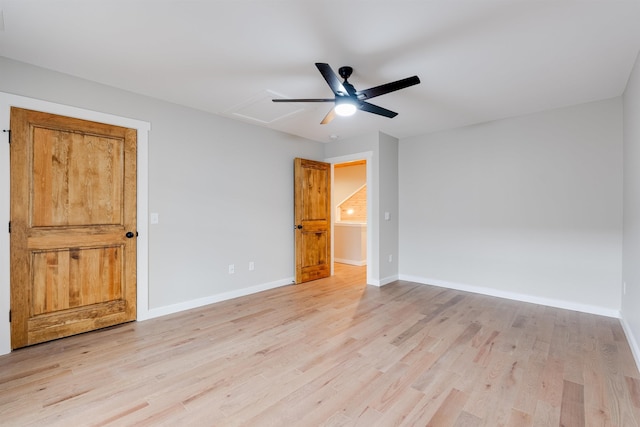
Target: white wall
pixel 388 209
pixel 223 189
pixel 528 208
pixel 631 236
pixel 350 243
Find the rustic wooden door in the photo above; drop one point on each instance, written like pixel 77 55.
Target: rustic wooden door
pixel 312 183
pixel 73 226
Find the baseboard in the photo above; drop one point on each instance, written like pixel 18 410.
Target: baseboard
pixel 188 305
pixel 550 302
pixel 351 261
pixel 635 350
pixel 383 281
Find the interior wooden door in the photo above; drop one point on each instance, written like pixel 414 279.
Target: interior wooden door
pixel 312 182
pixel 73 226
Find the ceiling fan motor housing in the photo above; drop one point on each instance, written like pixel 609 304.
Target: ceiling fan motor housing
pixel 345 72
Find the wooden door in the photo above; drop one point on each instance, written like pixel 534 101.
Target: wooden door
pixel 73 226
pixel 312 182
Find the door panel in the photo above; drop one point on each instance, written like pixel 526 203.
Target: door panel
pixel 73 200
pixel 77 179
pixel 313 219
pixel 71 278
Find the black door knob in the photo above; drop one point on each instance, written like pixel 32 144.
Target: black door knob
pixel 299 226
pixel 130 234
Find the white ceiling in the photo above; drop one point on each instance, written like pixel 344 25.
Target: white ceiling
pixel 478 60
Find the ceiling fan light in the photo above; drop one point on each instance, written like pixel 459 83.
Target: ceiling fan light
pixel 345 109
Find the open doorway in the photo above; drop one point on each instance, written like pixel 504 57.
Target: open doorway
pixel 350 215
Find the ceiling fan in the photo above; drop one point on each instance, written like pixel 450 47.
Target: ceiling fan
pixel 347 99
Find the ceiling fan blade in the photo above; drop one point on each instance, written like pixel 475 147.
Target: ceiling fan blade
pixel 388 87
pixel 305 100
pixel 370 108
pixel 331 78
pixel 330 116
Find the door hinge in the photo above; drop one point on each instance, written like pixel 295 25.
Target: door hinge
pixel 9 316
pixel 9 226
pixel 9 132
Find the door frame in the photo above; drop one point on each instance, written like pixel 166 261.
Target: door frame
pixel 6 102
pixel 368 157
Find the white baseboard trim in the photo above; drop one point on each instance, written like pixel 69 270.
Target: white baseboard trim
pixel 188 305
pixel 567 305
pixel 383 281
pixel 631 340
pixel 351 261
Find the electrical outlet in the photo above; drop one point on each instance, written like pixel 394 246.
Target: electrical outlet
pixel 232 268
pixel 252 266
pixel 390 258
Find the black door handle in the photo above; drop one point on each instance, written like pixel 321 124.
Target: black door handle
pixel 299 226
pixel 130 234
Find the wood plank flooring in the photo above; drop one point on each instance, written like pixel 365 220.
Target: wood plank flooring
pixel 334 352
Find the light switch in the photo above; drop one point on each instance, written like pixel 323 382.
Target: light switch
pixel 387 216
pixel 155 218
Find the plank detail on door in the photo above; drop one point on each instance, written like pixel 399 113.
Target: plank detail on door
pixel 312 183
pixel 73 199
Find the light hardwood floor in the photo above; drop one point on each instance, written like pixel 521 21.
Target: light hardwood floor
pixel 334 352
